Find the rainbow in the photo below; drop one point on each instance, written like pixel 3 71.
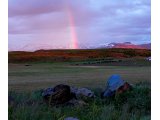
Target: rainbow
pixel 74 38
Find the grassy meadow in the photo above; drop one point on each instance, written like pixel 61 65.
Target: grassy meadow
pixel 36 76
pixel 29 74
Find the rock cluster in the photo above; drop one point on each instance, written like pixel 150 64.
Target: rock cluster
pixel 66 95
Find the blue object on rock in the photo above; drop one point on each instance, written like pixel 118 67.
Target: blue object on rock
pixel 113 83
pixel 108 93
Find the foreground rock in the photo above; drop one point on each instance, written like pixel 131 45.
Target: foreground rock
pixel 66 95
pixel 115 85
pixel 82 92
pixel 60 94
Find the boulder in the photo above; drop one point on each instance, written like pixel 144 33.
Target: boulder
pixel 115 85
pixel 66 95
pixel 47 92
pixel 82 92
pixel 60 94
pixel 124 88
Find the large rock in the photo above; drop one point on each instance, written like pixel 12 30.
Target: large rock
pixel 124 88
pixel 115 85
pixel 47 92
pixel 66 95
pixel 82 92
pixel 60 94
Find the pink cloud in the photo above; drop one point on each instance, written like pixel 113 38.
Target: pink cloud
pixel 95 22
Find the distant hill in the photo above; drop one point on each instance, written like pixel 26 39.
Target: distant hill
pixel 75 55
pixel 127 45
pixel 147 46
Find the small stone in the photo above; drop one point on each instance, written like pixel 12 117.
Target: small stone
pixel 71 118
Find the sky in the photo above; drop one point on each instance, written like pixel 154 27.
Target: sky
pixel 74 24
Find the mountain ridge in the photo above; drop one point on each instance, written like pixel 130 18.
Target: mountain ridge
pixel 128 45
pixel 124 45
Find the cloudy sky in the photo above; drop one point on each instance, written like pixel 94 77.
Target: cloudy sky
pixel 36 24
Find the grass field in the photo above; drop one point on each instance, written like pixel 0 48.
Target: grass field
pixel 27 79
pixel 36 76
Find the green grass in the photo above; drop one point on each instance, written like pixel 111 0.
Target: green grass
pixel 25 84
pixel 28 78
pixel 132 105
pixel 43 75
